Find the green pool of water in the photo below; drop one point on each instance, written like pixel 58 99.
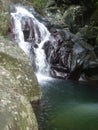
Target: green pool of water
pixel 68 106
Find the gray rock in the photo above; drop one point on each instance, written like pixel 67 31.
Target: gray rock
pixel 74 17
pixel 18 86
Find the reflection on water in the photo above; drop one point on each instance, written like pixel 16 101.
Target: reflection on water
pixel 68 106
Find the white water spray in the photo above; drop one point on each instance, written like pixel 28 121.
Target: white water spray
pixel 40 58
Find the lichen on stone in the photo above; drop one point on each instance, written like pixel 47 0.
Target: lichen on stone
pixel 18 86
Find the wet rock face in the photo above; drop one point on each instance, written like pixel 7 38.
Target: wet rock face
pixel 80 17
pixel 18 86
pixel 69 56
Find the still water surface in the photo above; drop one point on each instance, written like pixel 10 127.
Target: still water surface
pixel 68 106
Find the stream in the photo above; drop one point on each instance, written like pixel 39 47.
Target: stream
pixel 65 105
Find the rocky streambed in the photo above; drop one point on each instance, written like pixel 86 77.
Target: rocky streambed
pixel 70 55
pixel 73 56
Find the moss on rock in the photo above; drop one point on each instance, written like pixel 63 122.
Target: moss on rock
pixel 18 86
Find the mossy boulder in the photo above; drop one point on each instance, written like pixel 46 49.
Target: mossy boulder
pixel 18 87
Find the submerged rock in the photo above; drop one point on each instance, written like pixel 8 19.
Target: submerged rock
pixel 18 87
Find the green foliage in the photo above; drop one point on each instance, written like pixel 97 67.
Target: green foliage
pixel 3 20
pixel 39 4
pixel 97 3
pixel 3 23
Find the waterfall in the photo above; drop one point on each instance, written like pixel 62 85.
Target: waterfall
pixel 22 19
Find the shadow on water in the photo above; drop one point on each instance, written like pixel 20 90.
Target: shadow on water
pixel 68 106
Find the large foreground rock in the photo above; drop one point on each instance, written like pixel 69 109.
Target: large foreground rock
pixel 18 86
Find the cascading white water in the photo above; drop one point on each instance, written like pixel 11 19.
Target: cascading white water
pixel 40 58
